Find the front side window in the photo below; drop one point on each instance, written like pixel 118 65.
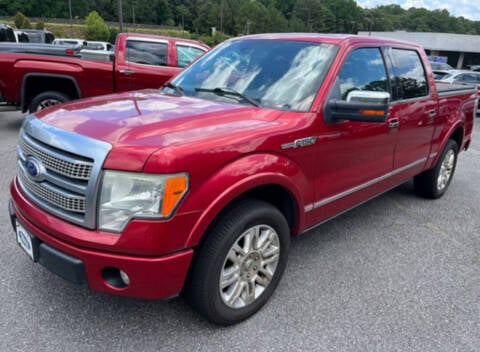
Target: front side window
pixel 409 77
pixel 364 69
pixel 276 74
pixel 187 54
pixel 147 53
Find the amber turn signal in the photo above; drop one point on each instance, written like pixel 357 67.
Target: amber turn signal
pixel 175 189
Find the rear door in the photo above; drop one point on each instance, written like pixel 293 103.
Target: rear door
pixel 413 110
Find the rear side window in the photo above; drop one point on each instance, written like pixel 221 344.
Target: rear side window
pixel 364 69
pixel 148 53
pixel 187 54
pixel 49 37
pixel 409 79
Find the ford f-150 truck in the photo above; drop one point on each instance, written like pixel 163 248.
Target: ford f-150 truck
pixel 32 81
pixel 198 188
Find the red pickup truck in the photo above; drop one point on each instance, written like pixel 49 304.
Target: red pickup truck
pixel 32 81
pixel 198 189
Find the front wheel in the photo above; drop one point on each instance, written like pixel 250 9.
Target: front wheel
pixel 47 99
pixel 241 262
pixel 434 183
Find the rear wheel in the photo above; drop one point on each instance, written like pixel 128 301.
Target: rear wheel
pixel 241 262
pixel 47 99
pixel 434 183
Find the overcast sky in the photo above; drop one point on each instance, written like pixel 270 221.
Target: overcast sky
pixel 467 8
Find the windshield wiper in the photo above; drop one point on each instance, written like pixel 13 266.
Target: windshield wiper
pixel 228 91
pixel 177 89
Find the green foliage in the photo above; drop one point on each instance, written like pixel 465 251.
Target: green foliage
pixel 21 21
pixel 40 25
pixel 245 16
pixel 95 27
pixel 112 34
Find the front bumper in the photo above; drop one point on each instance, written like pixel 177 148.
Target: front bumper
pixel 150 277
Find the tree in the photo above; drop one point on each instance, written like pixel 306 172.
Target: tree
pixel 21 21
pixel 95 27
pixel 251 18
pixel 208 17
pixel 310 13
pixel 275 20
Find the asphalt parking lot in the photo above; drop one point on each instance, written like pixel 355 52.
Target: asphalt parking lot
pixel 399 273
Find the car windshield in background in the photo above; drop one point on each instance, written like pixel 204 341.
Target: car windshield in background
pixel 273 74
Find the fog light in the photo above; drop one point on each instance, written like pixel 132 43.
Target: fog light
pixel 124 277
pixel 115 277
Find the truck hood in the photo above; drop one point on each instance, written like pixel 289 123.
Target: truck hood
pixel 138 123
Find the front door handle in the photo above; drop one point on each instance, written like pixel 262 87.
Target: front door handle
pixel 432 114
pixel 127 72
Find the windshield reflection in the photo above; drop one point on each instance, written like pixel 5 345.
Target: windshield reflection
pixel 277 74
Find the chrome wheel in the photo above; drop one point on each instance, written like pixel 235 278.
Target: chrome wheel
pixel 446 170
pixel 249 266
pixel 240 263
pixel 47 103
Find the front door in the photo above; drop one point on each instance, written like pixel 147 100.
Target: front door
pixel 354 158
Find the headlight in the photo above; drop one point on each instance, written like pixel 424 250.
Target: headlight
pixel 127 195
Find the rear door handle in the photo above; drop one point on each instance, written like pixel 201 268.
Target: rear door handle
pixel 127 72
pixel 393 123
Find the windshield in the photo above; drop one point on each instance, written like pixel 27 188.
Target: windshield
pixel 277 74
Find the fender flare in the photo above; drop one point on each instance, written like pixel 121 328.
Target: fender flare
pixel 436 153
pixel 23 98
pixel 293 181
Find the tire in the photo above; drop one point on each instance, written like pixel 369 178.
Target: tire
pixel 250 273
pixel 434 183
pixel 47 99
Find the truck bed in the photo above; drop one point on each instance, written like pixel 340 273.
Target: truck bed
pixel 43 49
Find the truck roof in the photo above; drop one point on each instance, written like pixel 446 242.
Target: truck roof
pixel 160 37
pixel 337 39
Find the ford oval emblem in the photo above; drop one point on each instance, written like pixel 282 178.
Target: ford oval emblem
pixel 34 168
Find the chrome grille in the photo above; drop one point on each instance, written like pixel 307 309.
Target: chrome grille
pixel 75 169
pixel 54 196
pixel 53 174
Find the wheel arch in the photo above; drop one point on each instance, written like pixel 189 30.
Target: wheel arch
pixel 277 191
pixel 457 134
pixel 36 83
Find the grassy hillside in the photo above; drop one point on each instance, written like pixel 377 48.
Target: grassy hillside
pixel 65 30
